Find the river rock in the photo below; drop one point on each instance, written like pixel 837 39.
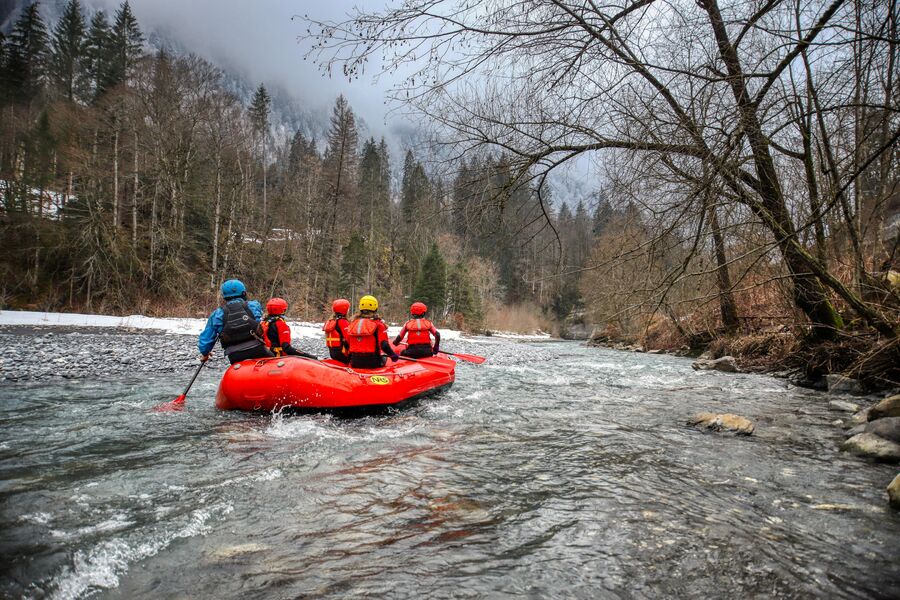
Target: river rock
pixel 893 491
pixel 726 364
pixel 856 430
pixel 723 422
pixel 889 407
pixel 838 384
pixel 887 428
pixel 872 446
pixel 860 418
pixel 843 406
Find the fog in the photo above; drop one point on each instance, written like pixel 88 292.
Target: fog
pixel 258 40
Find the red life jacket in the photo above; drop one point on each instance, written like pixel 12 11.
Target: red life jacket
pixel 334 334
pixel 276 333
pixel 419 331
pixel 362 335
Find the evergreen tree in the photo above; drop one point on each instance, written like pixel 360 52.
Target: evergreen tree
pixel 24 69
pixel 125 47
pixel 353 265
pixel 259 110
pixel 341 162
pixel 97 51
pixel 68 53
pixel 431 285
pixel 463 300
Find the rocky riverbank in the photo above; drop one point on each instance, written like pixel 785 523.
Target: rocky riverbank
pixel 42 353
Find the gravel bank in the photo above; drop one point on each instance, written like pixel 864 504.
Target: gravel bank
pixel 42 353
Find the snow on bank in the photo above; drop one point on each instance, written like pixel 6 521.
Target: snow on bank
pixel 188 326
pixel 180 326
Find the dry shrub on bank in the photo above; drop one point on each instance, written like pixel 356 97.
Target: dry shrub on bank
pixel 517 318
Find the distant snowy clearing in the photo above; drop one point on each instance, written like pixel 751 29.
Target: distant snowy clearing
pixel 180 326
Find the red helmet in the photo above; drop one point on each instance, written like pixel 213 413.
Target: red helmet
pixel 276 306
pixel 341 306
pixel 418 309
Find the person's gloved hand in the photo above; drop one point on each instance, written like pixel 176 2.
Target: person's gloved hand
pixel 435 349
pixel 395 357
pixel 397 341
pixel 204 357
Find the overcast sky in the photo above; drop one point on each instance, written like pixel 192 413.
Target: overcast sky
pixel 258 39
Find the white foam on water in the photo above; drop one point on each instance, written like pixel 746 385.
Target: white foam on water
pixel 39 518
pixel 103 565
pixel 115 523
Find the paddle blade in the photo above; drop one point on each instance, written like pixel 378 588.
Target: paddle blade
pixel 176 404
pixel 472 358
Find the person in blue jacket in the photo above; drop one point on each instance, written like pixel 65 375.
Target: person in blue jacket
pixel 236 325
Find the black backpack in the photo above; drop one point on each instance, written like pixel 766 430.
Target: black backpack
pixel 240 324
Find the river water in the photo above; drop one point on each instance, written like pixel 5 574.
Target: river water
pixel 552 471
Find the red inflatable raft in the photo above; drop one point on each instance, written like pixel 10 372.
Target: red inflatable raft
pixel 308 385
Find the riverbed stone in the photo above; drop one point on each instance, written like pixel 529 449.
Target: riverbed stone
pixel 723 422
pixel 860 418
pixel 887 428
pixel 726 364
pixel 893 491
pixel 856 430
pixel 843 406
pixel 838 384
pixel 889 407
pixel 872 446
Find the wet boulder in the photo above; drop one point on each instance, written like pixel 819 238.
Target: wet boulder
pixel 838 384
pixel 860 418
pixel 893 491
pixel 872 446
pixel 887 428
pixel 722 422
pixel 855 430
pixel 889 407
pixel 843 406
pixel 726 364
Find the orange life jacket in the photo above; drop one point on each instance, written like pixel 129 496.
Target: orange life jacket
pixel 362 335
pixel 334 336
pixel 419 331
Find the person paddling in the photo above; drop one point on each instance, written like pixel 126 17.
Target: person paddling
pixel 367 336
pixel 277 333
pixel 338 347
pixel 236 325
pixel 420 331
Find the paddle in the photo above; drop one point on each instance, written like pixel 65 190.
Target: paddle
pixel 472 358
pixel 178 402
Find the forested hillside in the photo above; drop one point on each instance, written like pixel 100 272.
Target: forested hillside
pixel 134 181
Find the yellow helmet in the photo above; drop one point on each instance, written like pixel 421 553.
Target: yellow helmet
pixel 368 303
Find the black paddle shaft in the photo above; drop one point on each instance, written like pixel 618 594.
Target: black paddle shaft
pixel 193 379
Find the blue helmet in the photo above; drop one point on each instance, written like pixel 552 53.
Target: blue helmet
pixel 233 288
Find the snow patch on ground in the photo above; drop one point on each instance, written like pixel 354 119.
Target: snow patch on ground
pixel 181 326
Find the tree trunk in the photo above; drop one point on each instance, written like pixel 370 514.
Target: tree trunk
pixel 134 197
pixel 727 305
pixel 218 216
pixel 809 294
pixel 115 198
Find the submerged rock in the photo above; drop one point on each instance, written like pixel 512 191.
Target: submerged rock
pixel 856 430
pixel 725 364
pixel 872 446
pixel 889 407
pixel 723 422
pixel 230 552
pixel 860 418
pixel 893 491
pixel 838 384
pixel 843 406
pixel 887 428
